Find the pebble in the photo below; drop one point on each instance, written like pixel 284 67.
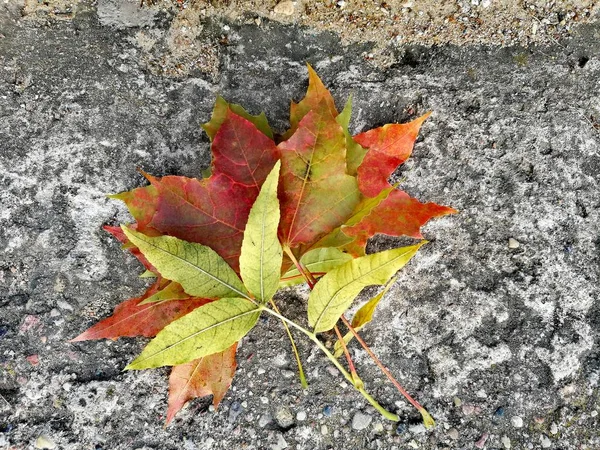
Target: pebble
pixel 280 360
pixel 54 312
pixel 360 421
pixel 401 428
pixel 260 371
pixel 378 427
pixel 457 402
pixel 327 411
pixel 301 416
pixel 482 440
pixel 45 442
pixel 265 420
pixel 499 413
pixel 513 243
pixel 234 411
pixel 546 443
pixel 284 418
pixel 468 410
pixel 285 8
pixel 516 421
pixel 281 443
pixel 505 442
pixel 324 430
pixel 553 428
pixel 453 433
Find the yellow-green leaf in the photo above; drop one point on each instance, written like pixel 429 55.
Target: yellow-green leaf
pixel 318 262
pixel 334 293
pixel 355 152
pixel 261 256
pixel 362 317
pixel 209 329
pixel 172 291
pixel 220 113
pixel 199 269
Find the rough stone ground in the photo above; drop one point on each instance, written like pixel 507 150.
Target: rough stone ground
pixel 495 341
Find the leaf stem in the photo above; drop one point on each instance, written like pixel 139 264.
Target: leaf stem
pixel 427 419
pixel 301 375
pixel 305 273
pixel 313 337
pixel 357 380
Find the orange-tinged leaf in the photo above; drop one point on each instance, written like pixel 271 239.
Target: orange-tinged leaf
pixel 214 211
pixel 316 94
pixel 397 215
pixel 129 319
pixel 172 291
pixel 388 147
pixel 117 232
pixel 315 193
pixel 141 203
pixel 204 376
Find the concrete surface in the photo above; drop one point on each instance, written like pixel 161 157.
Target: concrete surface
pixel 496 338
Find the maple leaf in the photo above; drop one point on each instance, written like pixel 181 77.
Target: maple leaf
pixel 129 319
pixel 388 147
pixel 222 238
pixel 204 376
pixel 214 211
pixel 316 193
pixel 316 94
pixel 397 215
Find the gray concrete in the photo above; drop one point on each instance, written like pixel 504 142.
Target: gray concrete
pixel 472 324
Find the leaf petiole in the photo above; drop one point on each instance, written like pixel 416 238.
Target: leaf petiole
pixel 301 375
pixel 313 337
pixel 427 419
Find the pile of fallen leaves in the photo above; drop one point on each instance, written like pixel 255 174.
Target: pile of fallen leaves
pixel 275 211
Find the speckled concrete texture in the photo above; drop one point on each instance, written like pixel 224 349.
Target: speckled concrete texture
pixel 494 326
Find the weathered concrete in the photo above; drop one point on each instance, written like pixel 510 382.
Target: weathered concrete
pixel 512 144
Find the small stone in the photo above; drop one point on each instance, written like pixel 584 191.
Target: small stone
pixel 468 410
pixel 281 443
pixel 67 386
pixel 401 428
pixel 280 360
pixel 234 411
pixel 260 371
pixel 378 427
pixel 516 421
pixel 513 243
pixel 324 430
pixel 553 428
pixel 482 440
pixel 327 411
pixel 54 312
pixel 284 418
pixel 360 421
pixel 413 444
pixel 539 420
pixel 453 434
pixel 593 413
pixel 499 413
pixel 457 402
pixel 285 8
pixel 301 416
pixel 265 420
pixel 505 442
pixel 264 400
pixel 45 442
pixel 546 443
